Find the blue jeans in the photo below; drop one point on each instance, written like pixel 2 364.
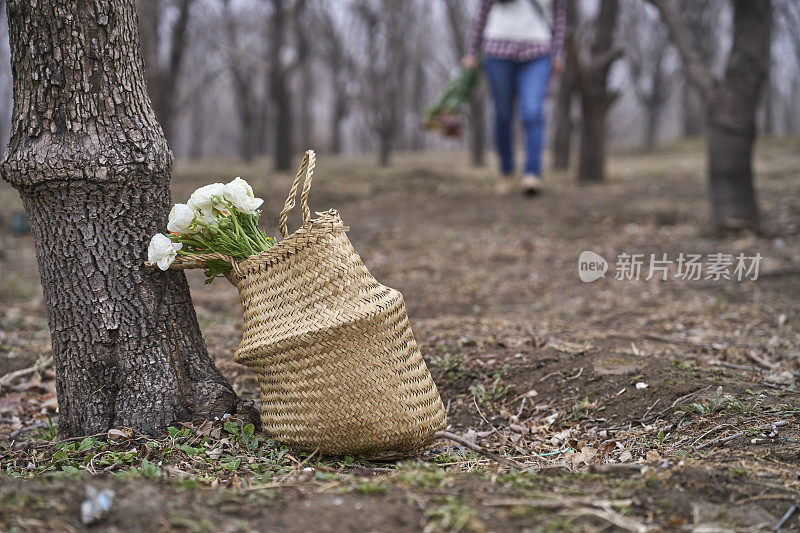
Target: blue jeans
pixel 526 82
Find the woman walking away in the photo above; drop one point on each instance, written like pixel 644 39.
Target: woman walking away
pixel 521 41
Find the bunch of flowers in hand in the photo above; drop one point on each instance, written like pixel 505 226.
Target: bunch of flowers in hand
pixel 443 114
pixel 217 219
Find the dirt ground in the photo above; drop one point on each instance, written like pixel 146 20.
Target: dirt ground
pixel 628 405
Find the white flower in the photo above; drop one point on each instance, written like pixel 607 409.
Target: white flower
pixel 206 217
pixel 181 219
pixel 239 193
pixel 162 251
pixel 206 197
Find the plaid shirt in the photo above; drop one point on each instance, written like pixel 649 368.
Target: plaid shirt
pixel 517 50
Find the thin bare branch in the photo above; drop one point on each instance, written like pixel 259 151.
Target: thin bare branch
pixel 697 72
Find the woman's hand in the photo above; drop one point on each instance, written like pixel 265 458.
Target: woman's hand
pixel 469 62
pixel 557 66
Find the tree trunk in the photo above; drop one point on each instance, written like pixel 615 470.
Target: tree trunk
pixel 247 142
pixel 92 167
pixel 283 123
pixel 197 125
pixel 162 79
pixel 732 118
pixel 385 150
pixel 303 46
pixel 338 114
pixel 593 141
pixel 595 97
pixel 306 105
pixel 652 114
pixel 562 134
pixel 693 112
pixel 279 90
pixel 768 100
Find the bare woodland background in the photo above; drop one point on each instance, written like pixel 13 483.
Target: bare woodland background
pixel 272 77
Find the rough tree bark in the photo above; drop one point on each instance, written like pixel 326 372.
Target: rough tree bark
pixel 562 114
pixel 92 167
pixel 731 104
pixel 592 80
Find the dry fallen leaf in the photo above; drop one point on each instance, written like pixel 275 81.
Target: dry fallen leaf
pixel 584 456
pixel 653 456
pixel 116 433
pixel 216 453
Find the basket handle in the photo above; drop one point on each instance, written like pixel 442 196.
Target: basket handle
pixel 307 168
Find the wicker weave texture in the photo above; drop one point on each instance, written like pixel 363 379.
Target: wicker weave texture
pixel 332 348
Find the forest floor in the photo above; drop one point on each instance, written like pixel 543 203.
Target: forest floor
pixel 630 405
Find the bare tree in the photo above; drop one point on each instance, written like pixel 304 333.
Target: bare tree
pixel 731 104
pixel 243 77
pixel 92 166
pixel 332 42
pixel 646 57
pixel 279 91
pixel 702 20
pixel 386 23
pixel 162 76
pixel 459 22
pixel 592 79
pixel 304 34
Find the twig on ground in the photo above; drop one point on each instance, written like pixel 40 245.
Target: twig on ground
pixel 551 374
pixel 761 361
pixel 554 503
pixel 723 440
pixel 478 449
pixel 615 468
pixel 650 408
pixel 737 367
pixel 788 515
pixel 504 438
pixel 612 517
pixel 41 364
pixel 687 396
pixel 778 387
pixel 683 398
pixel 521 408
pixel 709 432
pixel 576 376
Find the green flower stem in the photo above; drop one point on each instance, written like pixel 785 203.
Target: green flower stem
pixel 239 232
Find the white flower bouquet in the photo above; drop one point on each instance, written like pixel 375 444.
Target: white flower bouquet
pixel 218 218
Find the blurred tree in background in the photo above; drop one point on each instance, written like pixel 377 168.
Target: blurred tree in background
pixel 731 103
pixel 268 78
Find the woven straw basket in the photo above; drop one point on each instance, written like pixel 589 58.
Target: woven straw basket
pixel 338 366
